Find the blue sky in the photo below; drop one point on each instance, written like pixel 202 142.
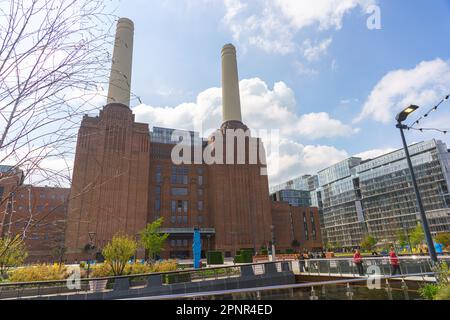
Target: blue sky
pixel 310 68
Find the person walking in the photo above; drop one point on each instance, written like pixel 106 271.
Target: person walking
pixel 395 263
pixel 357 259
pixel 301 262
pixel 306 257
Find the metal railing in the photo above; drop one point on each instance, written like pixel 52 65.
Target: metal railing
pixel 340 267
pixel 345 267
pixel 129 282
pixel 389 288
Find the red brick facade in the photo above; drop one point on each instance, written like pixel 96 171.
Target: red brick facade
pixel 38 214
pixel 110 180
pixel 122 181
pixel 298 224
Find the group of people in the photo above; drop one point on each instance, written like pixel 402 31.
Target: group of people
pixel 393 259
pixel 305 255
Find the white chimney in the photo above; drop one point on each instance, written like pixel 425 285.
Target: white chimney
pixel 120 79
pixel 231 103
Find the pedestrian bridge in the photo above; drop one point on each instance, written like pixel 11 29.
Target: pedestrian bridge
pixel 373 266
pixel 316 278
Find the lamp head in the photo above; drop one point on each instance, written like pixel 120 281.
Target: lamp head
pixel 402 116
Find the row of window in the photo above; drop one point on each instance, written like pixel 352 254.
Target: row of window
pixel 43 196
pixel 179 243
pixel 39 208
pixel 179 175
pixel 178 205
pixel 184 219
pixel 45 237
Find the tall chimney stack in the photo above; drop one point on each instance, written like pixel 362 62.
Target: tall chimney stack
pixel 231 103
pixel 120 79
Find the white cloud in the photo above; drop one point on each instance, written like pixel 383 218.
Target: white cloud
pixel 314 52
pixel 297 159
pixel 272 25
pixel 262 108
pixel 320 125
pixel 423 85
pixel 305 70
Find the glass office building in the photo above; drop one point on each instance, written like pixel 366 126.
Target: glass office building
pixel 296 198
pixel 376 196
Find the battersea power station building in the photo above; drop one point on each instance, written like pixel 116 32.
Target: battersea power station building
pixel 124 177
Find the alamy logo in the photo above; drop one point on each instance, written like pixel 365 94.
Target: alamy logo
pixel 374 20
pixel 374 280
pixel 74 281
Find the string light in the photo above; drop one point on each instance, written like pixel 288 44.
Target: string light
pixel 430 111
pixel 444 131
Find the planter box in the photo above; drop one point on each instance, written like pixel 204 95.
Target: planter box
pixel 98 285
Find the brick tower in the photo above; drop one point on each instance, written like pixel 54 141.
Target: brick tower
pixel 239 201
pixel 111 171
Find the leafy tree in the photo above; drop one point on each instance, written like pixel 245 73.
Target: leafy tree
pixel 12 253
pixel 417 236
pixel 443 238
pixel 368 242
pixel 441 289
pixel 402 239
pixel 152 239
pixel 118 252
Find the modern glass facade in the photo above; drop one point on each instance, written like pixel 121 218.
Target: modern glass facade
pixel 376 196
pixel 296 198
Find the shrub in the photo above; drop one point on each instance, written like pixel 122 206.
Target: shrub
pixel 244 256
pixel 165 266
pixel 39 273
pixel 443 293
pixel 12 253
pixel 105 270
pixel 440 290
pixel 177 278
pixel 264 252
pixel 101 271
pixel 137 268
pixel 429 291
pixel 290 251
pixel 118 252
pixel 214 257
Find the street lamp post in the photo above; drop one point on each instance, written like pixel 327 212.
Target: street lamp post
pixel 402 116
pixel 90 248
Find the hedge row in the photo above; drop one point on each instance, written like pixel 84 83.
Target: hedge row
pixel 244 256
pixel 214 258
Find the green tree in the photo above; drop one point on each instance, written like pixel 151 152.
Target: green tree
pixel 417 236
pixel 441 289
pixel 13 253
pixel 368 242
pixel 443 238
pixel 402 239
pixel 118 252
pixel 152 239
